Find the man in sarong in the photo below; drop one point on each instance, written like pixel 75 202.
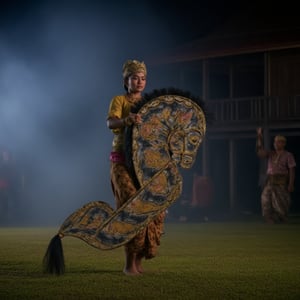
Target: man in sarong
pixel 275 197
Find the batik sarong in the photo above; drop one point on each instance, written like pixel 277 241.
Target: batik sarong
pixel 275 198
pixel 146 242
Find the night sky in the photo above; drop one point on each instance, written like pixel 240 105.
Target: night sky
pixel 60 65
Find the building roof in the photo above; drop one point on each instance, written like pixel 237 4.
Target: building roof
pixel 238 36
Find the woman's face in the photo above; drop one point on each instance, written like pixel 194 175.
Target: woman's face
pixel 136 82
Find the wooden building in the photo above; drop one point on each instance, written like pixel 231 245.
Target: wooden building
pixel 249 77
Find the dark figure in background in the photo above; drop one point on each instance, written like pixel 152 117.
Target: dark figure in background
pixel 201 197
pixel 275 197
pixel 7 185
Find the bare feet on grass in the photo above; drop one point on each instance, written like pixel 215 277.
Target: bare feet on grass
pixel 131 265
pixel 134 269
pixel 138 264
pixel 131 271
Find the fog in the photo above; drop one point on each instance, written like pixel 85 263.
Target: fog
pixel 60 65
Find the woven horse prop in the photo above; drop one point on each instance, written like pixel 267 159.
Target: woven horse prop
pixel 172 130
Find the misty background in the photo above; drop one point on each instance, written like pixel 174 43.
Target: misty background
pixel 60 65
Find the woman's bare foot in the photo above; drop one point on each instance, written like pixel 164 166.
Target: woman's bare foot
pixel 138 264
pixel 130 266
pixel 131 271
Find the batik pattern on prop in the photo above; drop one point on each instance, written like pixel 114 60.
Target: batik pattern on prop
pixel 172 130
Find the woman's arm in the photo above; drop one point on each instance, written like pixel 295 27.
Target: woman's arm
pixel 113 123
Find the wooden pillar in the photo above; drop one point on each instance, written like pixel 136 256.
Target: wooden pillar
pixel 232 156
pixel 205 96
pixel 232 175
pixel 205 157
pixel 231 82
pixel 267 77
pixel 265 125
pixel 205 80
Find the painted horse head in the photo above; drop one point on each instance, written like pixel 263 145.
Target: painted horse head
pixel 173 128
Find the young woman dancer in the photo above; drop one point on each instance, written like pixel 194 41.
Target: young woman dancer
pixel 146 242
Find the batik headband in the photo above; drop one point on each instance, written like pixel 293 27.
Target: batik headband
pixel 133 66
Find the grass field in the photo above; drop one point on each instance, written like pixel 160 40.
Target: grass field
pixel 214 260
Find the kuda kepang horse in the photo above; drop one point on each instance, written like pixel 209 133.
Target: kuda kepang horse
pixel 173 127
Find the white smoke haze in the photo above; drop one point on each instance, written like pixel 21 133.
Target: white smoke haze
pixel 59 68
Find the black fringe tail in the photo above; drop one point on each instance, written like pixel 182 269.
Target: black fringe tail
pixel 54 262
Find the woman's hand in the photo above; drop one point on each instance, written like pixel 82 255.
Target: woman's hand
pixel 133 119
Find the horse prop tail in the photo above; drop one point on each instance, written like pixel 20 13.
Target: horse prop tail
pixel 53 261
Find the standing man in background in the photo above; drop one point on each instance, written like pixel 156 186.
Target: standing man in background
pixel 275 197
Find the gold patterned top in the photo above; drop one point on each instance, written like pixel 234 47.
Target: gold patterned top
pixel 119 107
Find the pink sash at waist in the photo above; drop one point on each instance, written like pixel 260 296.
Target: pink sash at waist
pixel 117 157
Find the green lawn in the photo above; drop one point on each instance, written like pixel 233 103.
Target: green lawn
pixel 214 260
